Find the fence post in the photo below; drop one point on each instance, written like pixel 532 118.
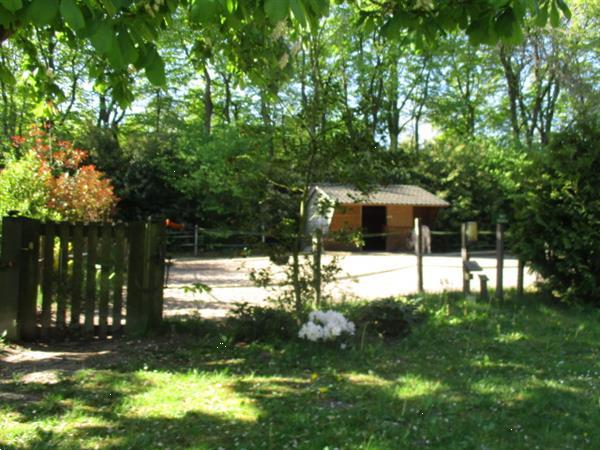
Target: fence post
pixel 9 276
pixel 155 250
pixel 419 253
pixel 146 274
pixel 499 261
pixel 317 253
pixel 464 252
pixel 195 240
pixel 520 277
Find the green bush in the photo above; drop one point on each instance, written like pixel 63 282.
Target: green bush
pixel 388 317
pixel 558 215
pixel 249 323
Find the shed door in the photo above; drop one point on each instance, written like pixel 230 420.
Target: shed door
pixel 374 219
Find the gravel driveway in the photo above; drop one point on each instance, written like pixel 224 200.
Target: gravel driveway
pixel 364 275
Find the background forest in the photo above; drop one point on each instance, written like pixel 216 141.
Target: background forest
pixel 246 121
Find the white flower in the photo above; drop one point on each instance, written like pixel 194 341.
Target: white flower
pixel 325 325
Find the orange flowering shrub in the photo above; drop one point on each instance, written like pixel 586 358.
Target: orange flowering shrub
pixel 75 191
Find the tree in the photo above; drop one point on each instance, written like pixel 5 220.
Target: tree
pixel 558 215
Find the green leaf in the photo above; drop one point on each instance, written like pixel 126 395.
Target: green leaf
pixel 299 12
pixel 541 19
pixel 42 12
pixel 554 16
pixel 276 10
pixel 231 6
pixel 6 76
pixel 205 11
pixel 102 38
pixel 110 7
pixel 391 28
pixel 505 23
pixel 154 67
pixel 127 47
pixel 564 8
pixel 114 55
pixel 72 14
pixel 12 5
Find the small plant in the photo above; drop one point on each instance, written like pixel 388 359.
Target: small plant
pixel 2 340
pixel 326 326
pixel 390 317
pixel 249 323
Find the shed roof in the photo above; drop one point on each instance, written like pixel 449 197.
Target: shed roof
pixel 393 194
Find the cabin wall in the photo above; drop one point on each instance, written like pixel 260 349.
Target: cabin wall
pixel 399 224
pixel 348 218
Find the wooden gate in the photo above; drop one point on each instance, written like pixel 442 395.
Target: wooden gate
pixel 62 279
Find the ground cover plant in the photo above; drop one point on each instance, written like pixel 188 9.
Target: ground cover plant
pixel 524 374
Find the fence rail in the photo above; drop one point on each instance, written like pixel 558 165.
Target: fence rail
pixel 62 279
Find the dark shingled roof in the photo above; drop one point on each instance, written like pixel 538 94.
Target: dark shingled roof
pixel 393 194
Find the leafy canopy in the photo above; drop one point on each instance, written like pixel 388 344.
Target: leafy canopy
pixel 124 33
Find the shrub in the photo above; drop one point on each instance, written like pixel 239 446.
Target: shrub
pixel 249 323
pixel 23 188
pixel 557 230
pixel 326 326
pixel 46 179
pixel 389 317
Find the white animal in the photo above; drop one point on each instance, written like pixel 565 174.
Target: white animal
pixel 425 239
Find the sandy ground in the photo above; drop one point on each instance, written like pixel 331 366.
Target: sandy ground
pixel 363 275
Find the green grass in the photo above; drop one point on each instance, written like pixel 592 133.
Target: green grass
pixel 521 375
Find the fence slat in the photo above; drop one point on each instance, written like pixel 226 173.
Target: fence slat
pixel 119 258
pixel 9 277
pixel 155 252
pixel 77 278
pixel 47 279
pixel 137 320
pixel 29 278
pixel 90 279
pixel 63 276
pixel 106 264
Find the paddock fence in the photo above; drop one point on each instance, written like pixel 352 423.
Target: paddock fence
pixel 76 280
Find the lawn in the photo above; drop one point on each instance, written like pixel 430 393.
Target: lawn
pixel 525 374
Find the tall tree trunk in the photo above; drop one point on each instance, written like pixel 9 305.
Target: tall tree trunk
pixel 227 104
pixel 208 103
pixel 513 88
pixel 393 114
pixel 158 112
pixel 419 111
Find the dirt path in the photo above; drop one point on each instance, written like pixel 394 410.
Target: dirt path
pixel 364 275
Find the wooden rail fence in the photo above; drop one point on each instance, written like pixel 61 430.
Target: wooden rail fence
pixel 82 280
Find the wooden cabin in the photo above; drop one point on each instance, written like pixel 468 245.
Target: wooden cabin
pixel 389 210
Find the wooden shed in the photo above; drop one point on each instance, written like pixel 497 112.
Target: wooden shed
pixel 388 212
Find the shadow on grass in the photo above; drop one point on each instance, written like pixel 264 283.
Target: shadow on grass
pixel 509 376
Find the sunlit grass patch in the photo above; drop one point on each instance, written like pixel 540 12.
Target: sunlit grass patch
pixel 172 395
pixel 515 375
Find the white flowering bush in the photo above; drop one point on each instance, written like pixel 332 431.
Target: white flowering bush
pixel 325 326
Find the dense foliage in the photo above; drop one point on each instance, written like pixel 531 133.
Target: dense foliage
pixel 246 104
pixel 50 181
pixel 558 214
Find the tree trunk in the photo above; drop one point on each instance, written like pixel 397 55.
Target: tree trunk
pixel 208 103
pixel 512 84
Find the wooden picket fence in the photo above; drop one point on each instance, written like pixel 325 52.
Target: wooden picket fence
pixel 80 280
